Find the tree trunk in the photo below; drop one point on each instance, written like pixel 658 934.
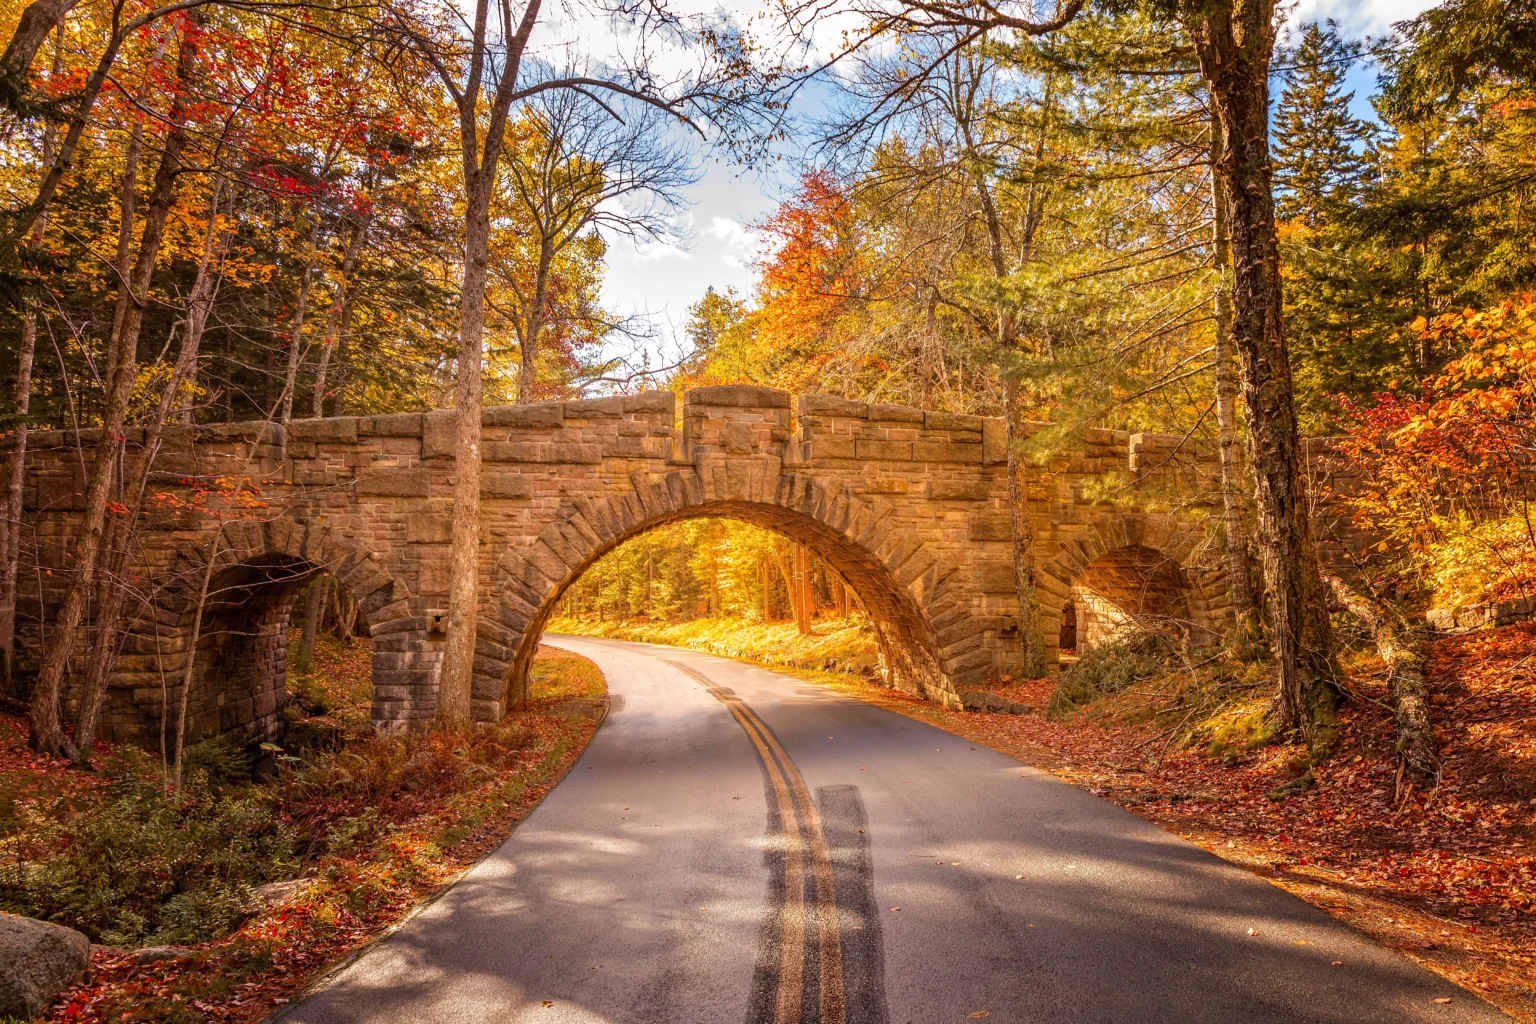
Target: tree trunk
pixel 295 349
pixel 15 475
pixel 16 464
pixel 1031 636
pixel 309 626
pixel 47 733
pixel 189 674
pixel 464 569
pixel 802 589
pixel 767 592
pixel 527 371
pixel 1234 45
pixel 1022 530
pixel 333 324
pixel 1233 481
pixel 37 20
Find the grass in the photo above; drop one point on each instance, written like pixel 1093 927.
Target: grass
pixel 844 645
pixel 376 825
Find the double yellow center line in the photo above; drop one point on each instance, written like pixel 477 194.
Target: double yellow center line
pixel 803 841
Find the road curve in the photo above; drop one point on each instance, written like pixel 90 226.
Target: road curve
pixel 738 846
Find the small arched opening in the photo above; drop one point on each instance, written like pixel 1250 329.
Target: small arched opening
pixel 216 658
pixel 1124 589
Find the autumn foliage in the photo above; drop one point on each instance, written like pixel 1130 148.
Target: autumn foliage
pixel 1449 471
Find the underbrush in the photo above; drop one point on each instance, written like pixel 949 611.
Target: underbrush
pixel 1214 697
pixel 840 645
pixel 361 827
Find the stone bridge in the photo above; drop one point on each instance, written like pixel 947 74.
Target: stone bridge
pixel 908 506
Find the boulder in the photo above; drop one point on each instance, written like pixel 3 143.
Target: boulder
pixel 38 960
pixel 275 894
pixel 159 954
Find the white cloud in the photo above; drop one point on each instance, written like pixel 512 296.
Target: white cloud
pixel 739 244
pixel 1360 17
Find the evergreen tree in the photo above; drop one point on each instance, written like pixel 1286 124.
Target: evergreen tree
pixel 1320 147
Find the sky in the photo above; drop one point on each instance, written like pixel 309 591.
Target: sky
pixel 661 282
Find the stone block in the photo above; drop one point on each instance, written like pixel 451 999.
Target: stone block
pixel 395 483
pixel 946 451
pixel 539 416
pixel 986 527
pixel 741 396
pixel 402 424
pixel 997 579
pixel 740 438
pixel 895 413
pixel 874 448
pixel 439 433
pixel 832 405
pixel 335 429
pixel 651 401
pixel 952 421
pixel 506 485
pixel 994 441
pixel 826 446
pixel 595 408
pixel 958 490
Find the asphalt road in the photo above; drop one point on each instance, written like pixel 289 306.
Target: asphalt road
pixel 739 846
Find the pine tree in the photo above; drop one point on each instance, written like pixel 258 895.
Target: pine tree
pixel 1319 145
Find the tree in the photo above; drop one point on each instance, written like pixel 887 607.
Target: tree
pixel 47 734
pixel 1235 40
pixel 486 71
pixel 1320 154
pixel 577 172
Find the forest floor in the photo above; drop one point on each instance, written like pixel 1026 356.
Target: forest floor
pixel 369 829
pixel 1446 874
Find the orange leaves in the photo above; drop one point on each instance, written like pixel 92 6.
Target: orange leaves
pixel 811 276
pixel 1448 473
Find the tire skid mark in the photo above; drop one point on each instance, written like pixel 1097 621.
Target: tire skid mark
pixel 800 977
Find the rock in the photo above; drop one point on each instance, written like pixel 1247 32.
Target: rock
pixel 158 954
pixel 275 894
pixel 991 703
pixel 38 960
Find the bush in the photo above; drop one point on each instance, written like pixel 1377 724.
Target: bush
pixel 136 868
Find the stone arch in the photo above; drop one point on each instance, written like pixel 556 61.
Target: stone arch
pixel 254 570
pixel 1128 565
pixel 929 644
